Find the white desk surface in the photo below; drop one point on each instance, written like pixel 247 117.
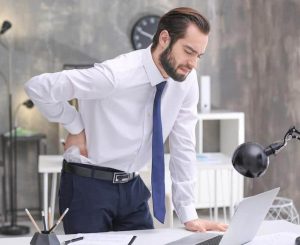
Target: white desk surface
pixel 163 236
pixel 53 163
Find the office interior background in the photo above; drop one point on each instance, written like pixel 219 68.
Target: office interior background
pixel 253 59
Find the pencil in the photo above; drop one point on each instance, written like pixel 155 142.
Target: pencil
pixel 132 240
pixel 32 220
pixel 49 217
pixel 44 221
pixel 59 220
pixel 73 240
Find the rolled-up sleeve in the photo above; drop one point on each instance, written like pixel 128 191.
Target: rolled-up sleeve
pixel 183 157
pixel 50 92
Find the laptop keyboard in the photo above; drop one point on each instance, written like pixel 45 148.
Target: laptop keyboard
pixel 213 241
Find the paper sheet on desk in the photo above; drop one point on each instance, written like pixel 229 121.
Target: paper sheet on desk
pixel 282 238
pixel 104 239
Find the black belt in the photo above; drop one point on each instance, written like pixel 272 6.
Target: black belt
pixel 96 172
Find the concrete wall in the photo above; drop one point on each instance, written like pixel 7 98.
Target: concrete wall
pixel 252 58
pixel 276 79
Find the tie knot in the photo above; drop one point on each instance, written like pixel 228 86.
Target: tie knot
pixel 160 87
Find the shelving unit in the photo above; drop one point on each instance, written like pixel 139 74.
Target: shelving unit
pixel 232 130
pixel 219 185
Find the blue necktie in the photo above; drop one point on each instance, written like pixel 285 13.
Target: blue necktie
pixel 158 165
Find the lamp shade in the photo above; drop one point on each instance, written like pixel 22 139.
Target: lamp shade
pixel 28 103
pixel 250 160
pixel 5 26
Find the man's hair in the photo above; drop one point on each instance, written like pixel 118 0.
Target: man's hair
pixel 176 22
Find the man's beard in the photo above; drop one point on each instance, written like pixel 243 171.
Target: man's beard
pixel 168 63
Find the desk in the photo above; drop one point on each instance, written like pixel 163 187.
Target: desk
pixel 50 164
pixel 36 139
pixel 163 236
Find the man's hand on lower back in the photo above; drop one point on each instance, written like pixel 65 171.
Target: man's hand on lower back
pixel 78 140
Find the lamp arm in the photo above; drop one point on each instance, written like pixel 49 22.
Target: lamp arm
pixel 4 45
pixel 3 78
pixel 277 146
pixel 16 115
pixel 7 80
pixel 1 73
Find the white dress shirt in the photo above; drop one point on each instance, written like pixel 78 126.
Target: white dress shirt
pixel 115 109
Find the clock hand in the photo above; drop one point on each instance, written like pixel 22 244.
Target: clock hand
pixel 146 34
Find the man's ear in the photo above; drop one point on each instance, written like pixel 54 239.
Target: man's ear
pixel 164 39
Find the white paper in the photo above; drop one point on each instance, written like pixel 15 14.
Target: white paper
pixel 72 154
pixel 282 238
pixel 104 239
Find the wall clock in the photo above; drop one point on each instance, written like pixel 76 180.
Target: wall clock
pixel 143 31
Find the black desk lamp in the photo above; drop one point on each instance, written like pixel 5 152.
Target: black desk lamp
pixel 252 159
pixel 13 228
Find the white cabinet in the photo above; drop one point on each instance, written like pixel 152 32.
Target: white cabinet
pixel 219 185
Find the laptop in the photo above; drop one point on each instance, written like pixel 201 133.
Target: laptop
pixel 244 225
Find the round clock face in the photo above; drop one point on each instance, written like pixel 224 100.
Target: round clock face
pixel 143 31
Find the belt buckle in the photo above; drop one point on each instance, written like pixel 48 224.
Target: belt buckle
pixel 121 178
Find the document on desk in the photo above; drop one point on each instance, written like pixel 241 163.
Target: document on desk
pixel 104 239
pixel 282 238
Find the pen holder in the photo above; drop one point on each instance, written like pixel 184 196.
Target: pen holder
pixel 44 239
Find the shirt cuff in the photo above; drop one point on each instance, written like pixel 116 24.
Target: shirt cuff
pixel 76 126
pixel 187 213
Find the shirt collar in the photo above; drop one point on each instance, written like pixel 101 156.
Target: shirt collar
pixel 151 69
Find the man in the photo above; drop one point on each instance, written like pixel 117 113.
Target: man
pixel 128 106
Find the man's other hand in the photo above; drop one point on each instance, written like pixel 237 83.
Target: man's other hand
pixel 205 225
pixel 78 140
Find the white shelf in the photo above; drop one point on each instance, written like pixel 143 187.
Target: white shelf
pixel 232 130
pixel 220 115
pixel 219 185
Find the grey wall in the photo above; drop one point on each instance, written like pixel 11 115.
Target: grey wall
pixel 253 58
pixel 276 79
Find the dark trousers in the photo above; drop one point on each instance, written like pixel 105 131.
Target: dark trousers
pixel 100 205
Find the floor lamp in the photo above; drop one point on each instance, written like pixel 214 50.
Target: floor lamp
pixel 28 104
pixel 13 228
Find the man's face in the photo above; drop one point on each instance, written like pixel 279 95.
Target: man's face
pixel 179 59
